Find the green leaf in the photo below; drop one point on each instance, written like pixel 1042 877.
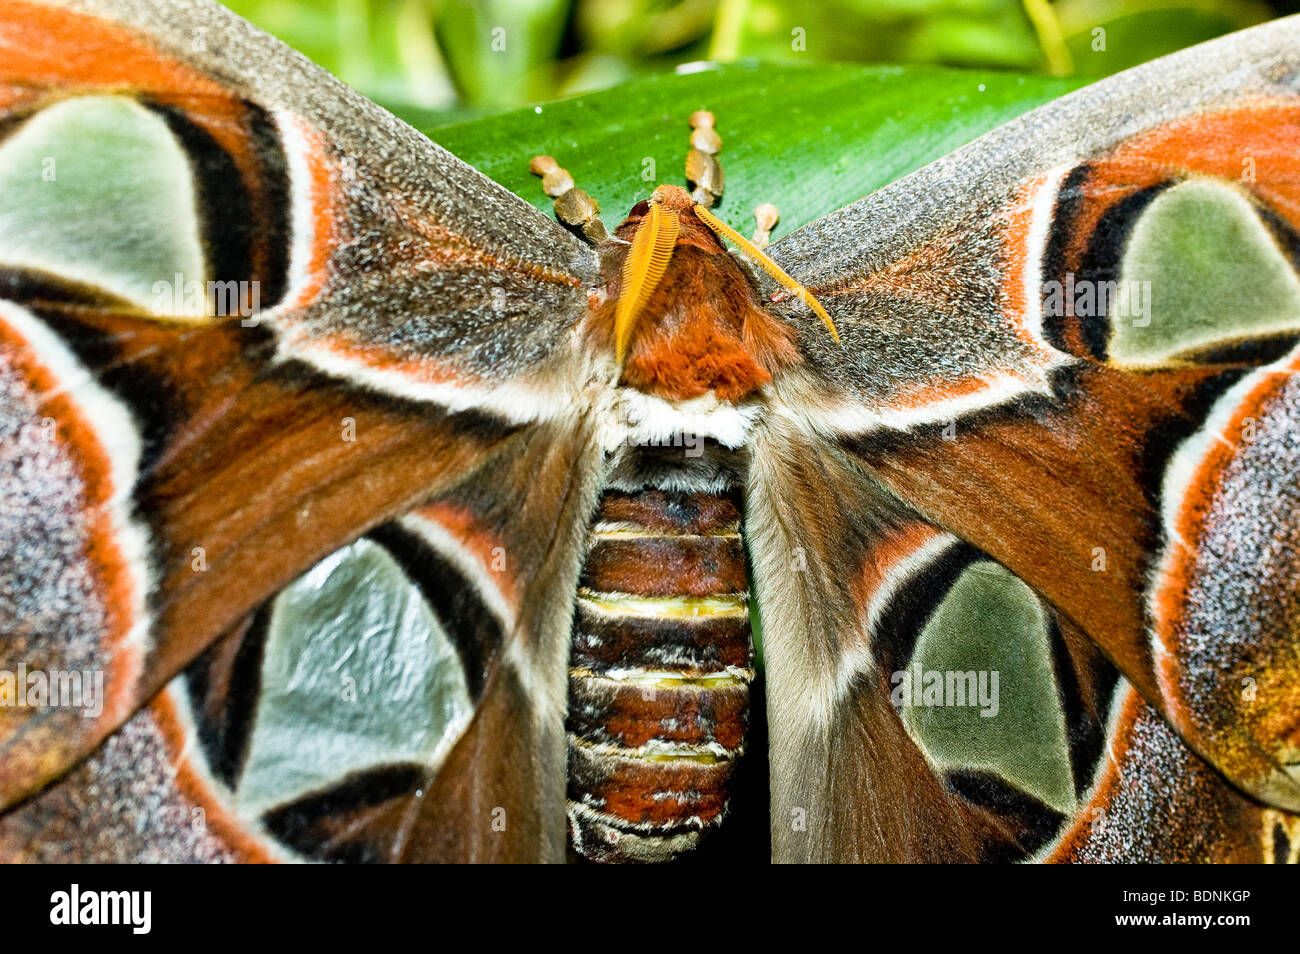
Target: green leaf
pixel 809 139
pixel 502 52
pixel 385 48
pixel 1106 36
pixel 640 28
pixel 954 32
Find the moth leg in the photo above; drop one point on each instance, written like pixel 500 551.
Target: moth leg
pixel 703 171
pixel 573 207
pixel 765 218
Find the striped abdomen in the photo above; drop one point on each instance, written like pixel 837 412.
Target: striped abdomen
pixel 658 675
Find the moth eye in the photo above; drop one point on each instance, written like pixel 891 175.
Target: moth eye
pixel 357 671
pixel 343 695
pixel 98 191
pixel 145 209
pixel 988 700
pixel 1188 271
pixel 1214 275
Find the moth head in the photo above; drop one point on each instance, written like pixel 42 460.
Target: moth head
pixel 673 198
pixel 684 319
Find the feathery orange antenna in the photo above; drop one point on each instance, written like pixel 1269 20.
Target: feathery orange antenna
pixel 642 270
pixel 766 264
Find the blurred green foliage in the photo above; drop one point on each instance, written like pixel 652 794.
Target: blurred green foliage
pixel 436 59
